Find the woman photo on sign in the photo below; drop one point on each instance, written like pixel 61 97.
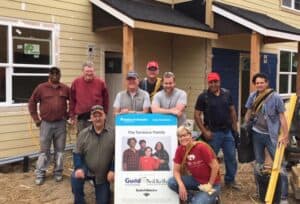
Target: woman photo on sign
pixel 163 156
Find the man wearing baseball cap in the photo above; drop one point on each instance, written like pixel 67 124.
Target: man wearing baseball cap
pixel 133 99
pixel 152 83
pixel 220 122
pixel 94 158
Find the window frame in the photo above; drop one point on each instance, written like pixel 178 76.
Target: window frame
pixel 10 65
pixel 290 73
pixel 292 7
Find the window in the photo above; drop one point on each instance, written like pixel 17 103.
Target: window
pixel 287 72
pixel 25 58
pixel 291 4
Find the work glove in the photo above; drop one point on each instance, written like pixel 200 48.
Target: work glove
pixel 205 187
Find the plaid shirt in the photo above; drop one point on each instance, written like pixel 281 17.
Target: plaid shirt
pixel 131 160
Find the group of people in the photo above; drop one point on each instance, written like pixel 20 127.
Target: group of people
pixel 144 159
pixel 195 165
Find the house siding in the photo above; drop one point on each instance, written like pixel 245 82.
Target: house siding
pixel 75 33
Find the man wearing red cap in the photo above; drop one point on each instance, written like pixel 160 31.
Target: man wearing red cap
pixel 152 83
pixel 220 120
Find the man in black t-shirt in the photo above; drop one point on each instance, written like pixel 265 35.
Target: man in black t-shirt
pixel 220 119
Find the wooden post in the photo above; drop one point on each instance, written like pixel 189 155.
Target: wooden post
pixel 298 72
pixel 254 57
pixel 128 51
pixel 209 15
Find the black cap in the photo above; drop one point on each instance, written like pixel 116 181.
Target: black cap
pixel 97 108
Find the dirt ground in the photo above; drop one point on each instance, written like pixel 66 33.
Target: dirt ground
pixel 19 187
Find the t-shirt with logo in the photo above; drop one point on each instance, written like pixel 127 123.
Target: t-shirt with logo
pixel 197 162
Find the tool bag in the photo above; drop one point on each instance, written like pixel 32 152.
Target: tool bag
pixel 262 179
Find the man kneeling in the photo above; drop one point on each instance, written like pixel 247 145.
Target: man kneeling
pixel 196 170
pixel 93 158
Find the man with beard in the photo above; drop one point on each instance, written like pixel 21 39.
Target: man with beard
pixel 170 100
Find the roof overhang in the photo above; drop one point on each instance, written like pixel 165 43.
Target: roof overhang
pixel 138 24
pixel 255 26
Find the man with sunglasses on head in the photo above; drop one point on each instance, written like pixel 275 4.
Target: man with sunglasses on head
pixel 52 97
pixel 152 83
pixel 220 120
pixel 170 100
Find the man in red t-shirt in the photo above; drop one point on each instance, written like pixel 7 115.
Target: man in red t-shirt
pixel 203 168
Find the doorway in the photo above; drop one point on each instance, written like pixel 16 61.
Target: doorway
pixel 113 78
pixel 244 84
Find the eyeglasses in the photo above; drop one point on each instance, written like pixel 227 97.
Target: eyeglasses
pixel 183 135
pixel 152 68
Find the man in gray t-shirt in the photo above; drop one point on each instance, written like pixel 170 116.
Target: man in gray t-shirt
pixel 133 99
pixel 170 100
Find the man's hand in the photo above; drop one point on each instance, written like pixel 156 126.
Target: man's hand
pixel 207 135
pixel 182 193
pixel 124 110
pixel 79 173
pixel 110 176
pixel 206 188
pixel 38 123
pixel 283 140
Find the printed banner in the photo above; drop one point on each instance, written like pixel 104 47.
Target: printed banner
pixel 145 147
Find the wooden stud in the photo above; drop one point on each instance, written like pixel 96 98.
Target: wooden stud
pixel 254 57
pixel 209 15
pixel 128 51
pixel 298 72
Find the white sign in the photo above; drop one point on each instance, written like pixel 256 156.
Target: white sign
pixel 142 175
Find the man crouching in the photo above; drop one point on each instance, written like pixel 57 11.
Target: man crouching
pixel 93 158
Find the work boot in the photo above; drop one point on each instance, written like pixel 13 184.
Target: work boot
pixel 39 181
pixel 58 178
pixel 233 185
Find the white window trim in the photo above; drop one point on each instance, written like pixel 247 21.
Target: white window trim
pixel 10 23
pixel 284 95
pixel 292 6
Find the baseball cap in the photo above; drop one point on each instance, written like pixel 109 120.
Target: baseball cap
pixel 132 74
pixel 54 70
pixel 152 66
pixel 213 76
pixel 97 108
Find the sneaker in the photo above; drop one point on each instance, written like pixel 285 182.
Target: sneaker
pixel 233 185
pixel 284 201
pixel 39 181
pixel 58 178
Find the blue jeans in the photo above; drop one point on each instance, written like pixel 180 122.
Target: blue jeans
pixel 225 140
pixel 198 197
pixel 260 142
pixel 102 191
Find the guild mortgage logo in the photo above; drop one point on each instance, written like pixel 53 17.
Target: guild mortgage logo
pixel 133 181
pixel 145 181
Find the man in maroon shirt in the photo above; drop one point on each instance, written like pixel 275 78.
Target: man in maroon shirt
pixel 52 97
pixel 87 91
pixel 131 156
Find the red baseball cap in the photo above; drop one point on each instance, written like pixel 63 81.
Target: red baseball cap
pixel 153 64
pixel 213 76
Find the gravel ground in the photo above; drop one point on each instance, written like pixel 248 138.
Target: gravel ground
pixel 19 187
